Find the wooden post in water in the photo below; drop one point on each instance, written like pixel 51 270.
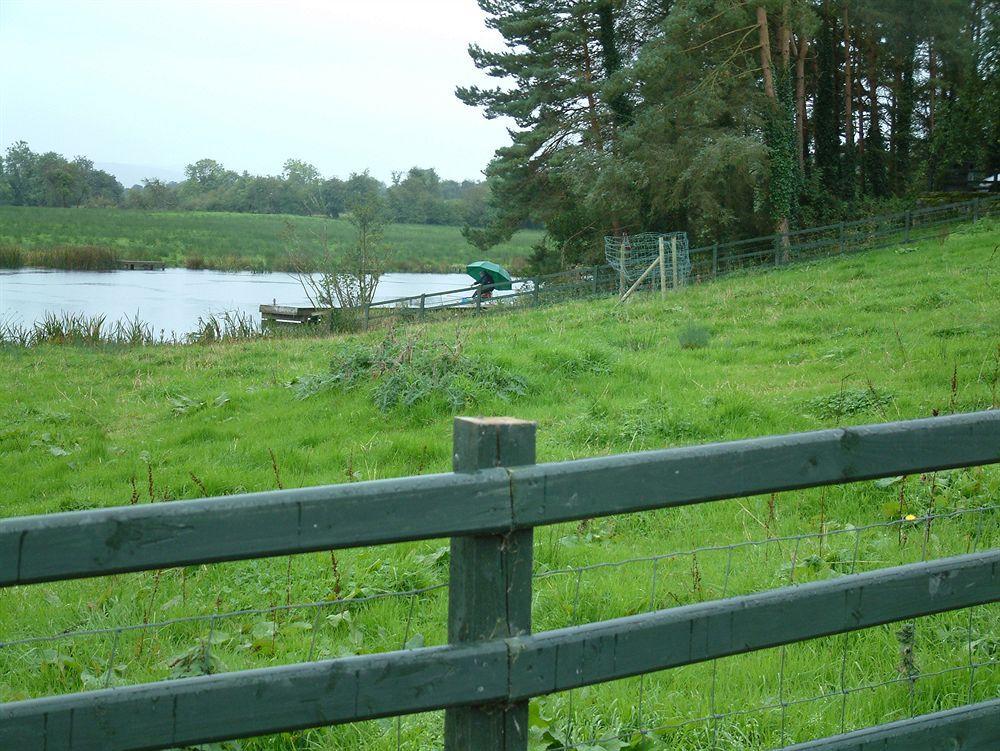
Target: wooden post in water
pixel 673 257
pixel 663 271
pixel 489 595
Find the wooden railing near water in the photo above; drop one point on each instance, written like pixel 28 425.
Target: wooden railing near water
pixel 493 665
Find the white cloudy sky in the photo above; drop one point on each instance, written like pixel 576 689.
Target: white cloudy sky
pixel 344 84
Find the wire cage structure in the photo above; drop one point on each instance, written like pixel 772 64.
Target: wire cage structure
pixel 636 257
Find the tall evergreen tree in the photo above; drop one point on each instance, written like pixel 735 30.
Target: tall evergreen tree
pixel 827 110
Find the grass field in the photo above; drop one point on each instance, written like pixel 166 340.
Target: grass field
pixel 235 241
pixel 893 334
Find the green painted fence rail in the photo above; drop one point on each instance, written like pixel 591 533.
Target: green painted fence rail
pixel 493 664
pixel 976 726
pixel 495 500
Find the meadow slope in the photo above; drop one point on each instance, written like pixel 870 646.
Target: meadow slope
pixel 900 333
pixel 235 241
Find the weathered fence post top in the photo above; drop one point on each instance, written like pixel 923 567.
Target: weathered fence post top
pixel 485 442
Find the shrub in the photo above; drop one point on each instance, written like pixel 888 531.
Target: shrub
pixel 405 373
pixel 848 402
pixel 694 336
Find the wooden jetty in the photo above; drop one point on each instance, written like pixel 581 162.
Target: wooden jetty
pixel 142 265
pixel 291 314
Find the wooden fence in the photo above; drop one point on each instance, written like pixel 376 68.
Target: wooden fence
pixel 708 262
pixel 493 664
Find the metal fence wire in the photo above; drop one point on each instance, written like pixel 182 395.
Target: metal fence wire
pixel 695 265
pixel 643 713
pixel 639 256
pixel 946 652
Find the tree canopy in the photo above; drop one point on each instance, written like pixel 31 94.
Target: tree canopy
pixel 726 118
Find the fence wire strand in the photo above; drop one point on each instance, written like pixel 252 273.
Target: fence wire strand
pixel 642 724
pixel 783 703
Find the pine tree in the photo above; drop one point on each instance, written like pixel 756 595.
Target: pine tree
pixel 827 112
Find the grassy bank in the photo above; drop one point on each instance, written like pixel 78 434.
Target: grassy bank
pixel 233 241
pixel 900 333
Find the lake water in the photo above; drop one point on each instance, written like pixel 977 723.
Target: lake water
pixel 173 300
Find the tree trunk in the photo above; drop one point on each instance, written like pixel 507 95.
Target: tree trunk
pixel 800 100
pixel 894 122
pixel 873 84
pixel 785 41
pixel 932 83
pixel 765 54
pixel 848 83
pixel 765 65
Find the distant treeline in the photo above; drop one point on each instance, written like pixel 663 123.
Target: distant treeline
pixel 419 196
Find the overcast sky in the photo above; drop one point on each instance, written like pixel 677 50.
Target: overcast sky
pixel 344 84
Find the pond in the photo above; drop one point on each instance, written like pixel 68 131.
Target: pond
pixel 174 299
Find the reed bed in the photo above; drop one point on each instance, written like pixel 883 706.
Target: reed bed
pixel 66 257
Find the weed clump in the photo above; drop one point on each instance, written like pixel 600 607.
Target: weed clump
pixel 406 373
pixel 76 329
pixel 848 402
pixel 694 336
pixel 228 326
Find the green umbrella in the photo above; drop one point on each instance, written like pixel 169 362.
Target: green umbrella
pixel 501 277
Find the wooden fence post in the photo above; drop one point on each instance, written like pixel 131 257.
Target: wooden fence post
pixel 423 308
pixel 715 260
pixel 975 210
pixel 673 258
pixel 906 226
pixel 621 269
pixel 840 237
pixel 489 595
pixel 596 271
pixel 534 291
pixel 663 269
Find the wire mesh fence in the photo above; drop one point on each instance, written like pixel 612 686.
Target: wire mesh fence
pixel 776 697
pixel 650 255
pixel 869 233
pixel 694 265
pixel 760 700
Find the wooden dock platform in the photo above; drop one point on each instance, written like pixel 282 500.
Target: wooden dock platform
pixel 142 265
pixel 291 314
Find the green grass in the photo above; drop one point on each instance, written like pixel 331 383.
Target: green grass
pixel 235 241
pixel 879 336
